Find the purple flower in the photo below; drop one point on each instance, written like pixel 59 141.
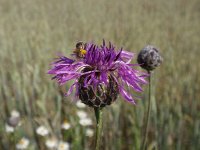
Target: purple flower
pixel 100 75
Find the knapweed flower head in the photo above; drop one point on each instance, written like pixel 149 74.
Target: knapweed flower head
pixel 100 74
pixel 149 58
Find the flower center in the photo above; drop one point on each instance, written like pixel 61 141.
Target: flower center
pixel 102 95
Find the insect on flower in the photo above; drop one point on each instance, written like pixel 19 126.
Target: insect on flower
pixel 100 73
pixel 79 51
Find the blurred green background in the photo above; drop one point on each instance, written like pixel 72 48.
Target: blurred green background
pixel 32 32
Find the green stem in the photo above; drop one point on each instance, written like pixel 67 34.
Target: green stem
pixel 98 115
pixel 148 115
pixel 12 138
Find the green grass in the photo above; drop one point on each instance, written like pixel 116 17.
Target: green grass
pixel 32 32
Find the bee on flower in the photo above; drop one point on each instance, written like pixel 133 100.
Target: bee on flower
pixel 79 51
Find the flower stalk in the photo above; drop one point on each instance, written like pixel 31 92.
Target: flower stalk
pixel 98 114
pixel 149 59
pixel 148 115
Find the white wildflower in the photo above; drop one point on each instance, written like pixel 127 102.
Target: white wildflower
pixel 9 129
pixel 63 146
pixel 65 125
pixel 41 130
pixel 89 132
pixel 22 144
pixel 81 114
pixel 15 113
pixel 51 143
pixel 85 122
pixel 79 104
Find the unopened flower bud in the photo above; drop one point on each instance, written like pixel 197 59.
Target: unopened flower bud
pixel 14 119
pixel 149 58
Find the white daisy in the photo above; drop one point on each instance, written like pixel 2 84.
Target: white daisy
pixel 89 132
pixel 15 113
pixel 51 143
pixel 65 125
pixel 81 114
pixel 79 104
pixel 85 122
pixel 42 130
pixel 22 144
pixel 9 129
pixel 63 146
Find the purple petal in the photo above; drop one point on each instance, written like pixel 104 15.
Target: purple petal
pixel 126 56
pixel 104 77
pixel 70 89
pixel 125 94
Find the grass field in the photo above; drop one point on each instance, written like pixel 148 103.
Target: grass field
pixel 32 32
